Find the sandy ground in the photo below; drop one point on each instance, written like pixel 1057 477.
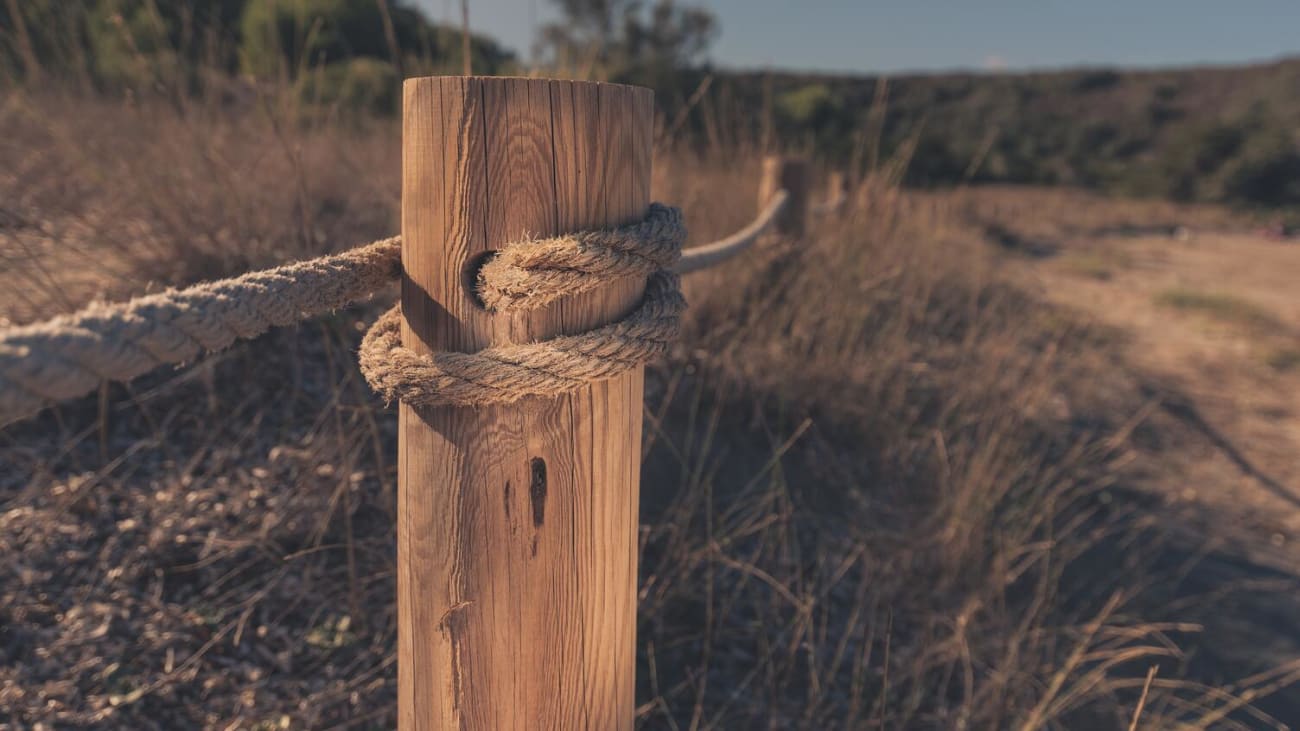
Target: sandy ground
pixel 1213 320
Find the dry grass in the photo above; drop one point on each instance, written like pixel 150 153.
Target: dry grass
pixel 155 193
pixel 1207 317
pixel 1055 213
pixel 882 485
pixel 1098 263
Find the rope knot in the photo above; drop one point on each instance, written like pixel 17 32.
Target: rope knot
pixel 533 273
pixel 529 274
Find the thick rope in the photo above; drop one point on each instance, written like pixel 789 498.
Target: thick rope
pixel 507 373
pixel 528 275
pixel 70 356
pixel 703 257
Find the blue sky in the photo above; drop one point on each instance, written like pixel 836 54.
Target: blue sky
pixel 923 35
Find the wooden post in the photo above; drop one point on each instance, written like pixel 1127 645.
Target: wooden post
pixel 791 175
pixel 517 535
pixel 835 200
pixel 837 186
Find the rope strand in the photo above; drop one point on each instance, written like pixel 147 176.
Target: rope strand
pixel 70 356
pixel 703 257
pixel 507 373
pixel 530 274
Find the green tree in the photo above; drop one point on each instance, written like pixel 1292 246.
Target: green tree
pixel 1266 172
pixel 138 41
pixel 40 37
pixel 286 37
pixel 670 37
pixel 625 39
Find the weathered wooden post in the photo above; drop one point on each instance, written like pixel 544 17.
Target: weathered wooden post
pixel 517 535
pixel 789 174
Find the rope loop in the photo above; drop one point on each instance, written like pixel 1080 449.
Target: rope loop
pixel 72 355
pixel 530 274
pixel 533 273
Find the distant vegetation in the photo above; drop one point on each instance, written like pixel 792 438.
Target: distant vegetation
pixel 1210 134
pixel 1227 135
pixel 354 51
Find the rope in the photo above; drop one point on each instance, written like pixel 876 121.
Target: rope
pixel 702 257
pixel 528 275
pixel 507 373
pixel 70 356
pixel 533 273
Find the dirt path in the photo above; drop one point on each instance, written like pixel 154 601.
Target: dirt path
pixel 1213 320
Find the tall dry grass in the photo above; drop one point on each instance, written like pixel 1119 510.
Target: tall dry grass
pixel 880 486
pixel 901 487
pixel 162 192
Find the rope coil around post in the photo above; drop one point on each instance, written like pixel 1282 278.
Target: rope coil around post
pixel 507 373
pixel 70 356
pixel 528 275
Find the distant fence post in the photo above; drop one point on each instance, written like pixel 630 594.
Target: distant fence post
pixel 789 174
pixel 837 189
pixel 517 524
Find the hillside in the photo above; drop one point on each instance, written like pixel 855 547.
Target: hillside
pixel 1227 134
pixel 1205 134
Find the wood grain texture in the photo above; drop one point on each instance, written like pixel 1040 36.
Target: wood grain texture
pixel 517 526
pixel 791 175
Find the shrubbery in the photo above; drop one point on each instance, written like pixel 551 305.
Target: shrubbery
pixel 1249 162
pixel 1226 136
pixel 358 85
pixel 1212 135
pixel 147 43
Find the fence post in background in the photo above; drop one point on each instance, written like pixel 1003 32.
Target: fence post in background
pixel 837 189
pixel 791 175
pixel 517 524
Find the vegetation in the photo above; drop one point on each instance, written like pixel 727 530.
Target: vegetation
pixel 625 41
pixel 182 43
pixel 1214 135
pixel 1218 135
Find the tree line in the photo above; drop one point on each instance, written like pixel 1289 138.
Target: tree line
pixel 1197 135
pixel 113 43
